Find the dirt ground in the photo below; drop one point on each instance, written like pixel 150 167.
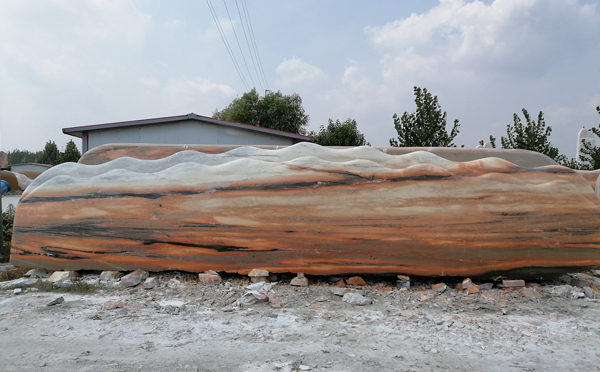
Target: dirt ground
pixel 184 325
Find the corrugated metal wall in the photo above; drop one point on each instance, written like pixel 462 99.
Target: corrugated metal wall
pixel 184 132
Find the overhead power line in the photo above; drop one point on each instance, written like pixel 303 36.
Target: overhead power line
pixel 238 43
pixel 244 26
pixel 253 39
pixel 224 38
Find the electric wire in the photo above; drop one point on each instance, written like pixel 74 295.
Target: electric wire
pixel 244 26
pixel 247 14
pixel 238 43
pixel 224 38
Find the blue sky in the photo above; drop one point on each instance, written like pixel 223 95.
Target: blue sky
pixel 69 63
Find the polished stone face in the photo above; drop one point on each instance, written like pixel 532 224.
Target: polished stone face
pixel 310 209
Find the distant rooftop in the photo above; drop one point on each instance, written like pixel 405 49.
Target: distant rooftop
pixel 78 131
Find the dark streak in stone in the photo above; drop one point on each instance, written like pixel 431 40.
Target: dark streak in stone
pixel 216 247
pixel 56 253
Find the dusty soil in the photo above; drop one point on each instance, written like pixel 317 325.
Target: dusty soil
pixel 183 325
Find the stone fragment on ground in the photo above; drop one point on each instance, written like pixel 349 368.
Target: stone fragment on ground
pixel 486 286
pixel 56 301
pixel 439 287
pixel 299 281
pixel 111 305
pixel 591 293
pixel 62 275
pixel 19 283
pixel 111 275
pixel 38 273
pixel 354 298
pixel 578 294
pixel 150 283
pixel 531 292
pixel 513 283
pixel 583 280
pixel 134 278
pixel 341 283
pixel 17 291
pixel 466 283
pixel 173 283
pixel 209 277
pixel 356 280
pixel 473 288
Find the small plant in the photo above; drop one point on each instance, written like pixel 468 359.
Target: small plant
pixel 77 288
pixel 11 274
pixel 8 217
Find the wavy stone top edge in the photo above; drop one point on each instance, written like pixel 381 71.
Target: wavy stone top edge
pixel 111 151
pixel 189 167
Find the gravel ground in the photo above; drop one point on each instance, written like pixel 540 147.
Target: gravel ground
pixel 184 325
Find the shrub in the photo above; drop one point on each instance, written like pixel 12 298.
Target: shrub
pixel 8 217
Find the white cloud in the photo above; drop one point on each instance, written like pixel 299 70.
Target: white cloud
pixel 183 93
pixel 294 72
pixel 487 61
pixel 505 37
pixel 111 20
pixel 357 93
pixel 212 33
pixel 84 33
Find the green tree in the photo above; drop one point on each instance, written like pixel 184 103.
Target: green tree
pixel 533 135
pixel 275 111
pixel 71 153
pixel 340 134
pixel 22 156
pixel 50 155
pixel 424 127
pixel 589 158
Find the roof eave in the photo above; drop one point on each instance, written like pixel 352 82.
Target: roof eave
pixel 78 131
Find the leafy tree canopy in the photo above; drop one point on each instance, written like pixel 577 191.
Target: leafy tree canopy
pixel 50 154
pixel 275 110
pixel 71 153
pixel 531 135
pixel 23 156
pixel 589 159
pixel 426 126
pixel 340 134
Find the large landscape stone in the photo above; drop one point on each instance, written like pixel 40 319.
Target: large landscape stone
pixel 306 208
